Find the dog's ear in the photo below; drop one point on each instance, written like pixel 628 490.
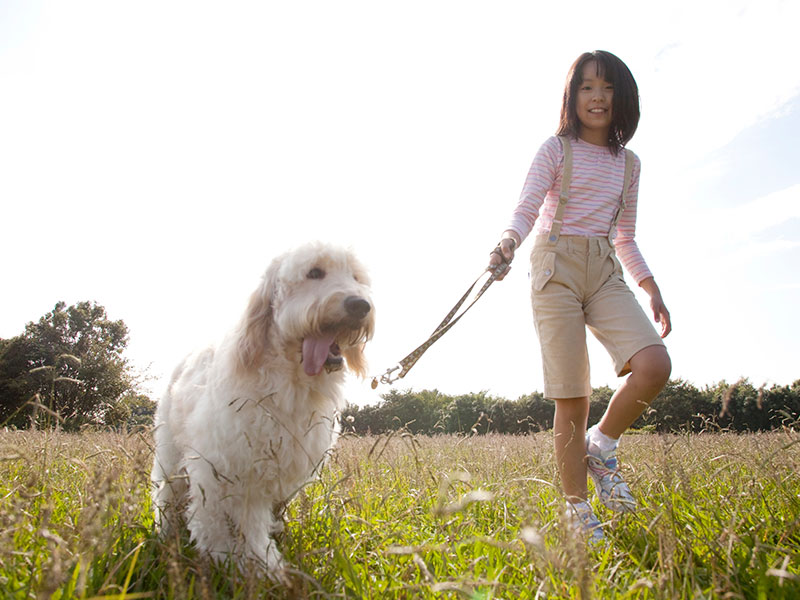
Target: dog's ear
pixel 356 361
pixel 253 341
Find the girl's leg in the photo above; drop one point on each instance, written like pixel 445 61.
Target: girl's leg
pixel 569 432
pixel 650 370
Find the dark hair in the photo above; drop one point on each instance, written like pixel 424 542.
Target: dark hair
pixel 624 108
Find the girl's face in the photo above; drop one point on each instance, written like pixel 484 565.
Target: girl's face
pixel 593 106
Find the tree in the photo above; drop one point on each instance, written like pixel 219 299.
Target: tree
pixel 71 360
pixel 468 413
pixel 598 402
pixel 678 406
pixel 535 413
pixel 132 411
pixel 15 385
pixel 783 404
pixel 738 406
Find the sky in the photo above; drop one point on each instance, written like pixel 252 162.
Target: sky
pixel 155 156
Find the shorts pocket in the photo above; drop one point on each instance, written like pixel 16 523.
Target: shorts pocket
pixel 617 266
pixel 544 268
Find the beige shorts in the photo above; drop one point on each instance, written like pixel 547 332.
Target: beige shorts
pixel 577 283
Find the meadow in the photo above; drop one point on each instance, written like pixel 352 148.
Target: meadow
pixel 399 516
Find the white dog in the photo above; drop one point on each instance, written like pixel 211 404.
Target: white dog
pixel 244 426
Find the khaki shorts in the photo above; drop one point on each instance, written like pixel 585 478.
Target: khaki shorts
pixel 577 283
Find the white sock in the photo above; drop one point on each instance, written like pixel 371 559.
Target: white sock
pixel 599 444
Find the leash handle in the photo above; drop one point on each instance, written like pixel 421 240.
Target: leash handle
pixel 404 366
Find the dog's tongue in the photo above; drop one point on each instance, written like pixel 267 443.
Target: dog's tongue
pixel 315 353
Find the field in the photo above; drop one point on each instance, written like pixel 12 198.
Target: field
pixel 398 516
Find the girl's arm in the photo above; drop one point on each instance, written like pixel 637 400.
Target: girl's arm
pixel 657 304
pixel 630 256
pixel 625 243
pixel 539 180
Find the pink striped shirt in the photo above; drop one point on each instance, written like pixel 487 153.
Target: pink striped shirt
pixel 597 178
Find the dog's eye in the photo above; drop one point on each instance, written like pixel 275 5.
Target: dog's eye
pixel 316 273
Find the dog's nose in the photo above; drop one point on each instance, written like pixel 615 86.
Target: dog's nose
pixel 356 307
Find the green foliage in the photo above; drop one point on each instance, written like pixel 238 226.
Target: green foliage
pixel 400 516
pixel 598 402
pixel 67 367
pixel 16 386
pixel 430 412
pixel 131 411
pixel 679 407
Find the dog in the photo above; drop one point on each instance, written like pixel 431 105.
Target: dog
pixel 243 426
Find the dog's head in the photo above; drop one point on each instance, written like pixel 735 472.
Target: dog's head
pixel 315 303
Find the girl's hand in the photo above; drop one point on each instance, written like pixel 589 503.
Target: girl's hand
pixel 506 246
pixel 661 315
pixel 660 311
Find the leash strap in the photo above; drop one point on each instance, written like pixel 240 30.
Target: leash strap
pixel 404 366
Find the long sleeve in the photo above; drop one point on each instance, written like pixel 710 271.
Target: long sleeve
pixel 540 180
pixel 625 243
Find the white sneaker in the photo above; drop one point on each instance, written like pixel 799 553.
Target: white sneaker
pixel 608 483
pixel 581 519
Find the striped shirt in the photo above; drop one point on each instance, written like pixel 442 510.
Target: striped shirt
pixel 594 196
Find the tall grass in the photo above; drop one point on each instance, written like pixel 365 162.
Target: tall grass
pixel 398 516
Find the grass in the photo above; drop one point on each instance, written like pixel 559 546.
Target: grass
pixel 398 516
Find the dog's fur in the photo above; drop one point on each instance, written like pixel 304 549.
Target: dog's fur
pixel 244 425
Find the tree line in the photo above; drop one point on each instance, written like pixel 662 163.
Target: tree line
pixel 68 370
pixel 679 407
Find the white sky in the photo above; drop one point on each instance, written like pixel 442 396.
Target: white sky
pixel 155 155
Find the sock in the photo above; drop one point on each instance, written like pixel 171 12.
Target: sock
pixel 599 444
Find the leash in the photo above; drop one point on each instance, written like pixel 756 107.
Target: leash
pixel 404 366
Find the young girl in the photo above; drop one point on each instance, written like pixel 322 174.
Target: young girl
pixel 585 223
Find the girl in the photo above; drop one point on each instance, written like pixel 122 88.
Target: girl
pixel 581 193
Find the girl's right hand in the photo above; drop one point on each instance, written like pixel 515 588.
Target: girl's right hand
pixel 506 246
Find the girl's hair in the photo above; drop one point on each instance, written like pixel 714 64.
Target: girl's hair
pixel 625 105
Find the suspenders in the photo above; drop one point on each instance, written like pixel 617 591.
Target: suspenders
pixel 563 197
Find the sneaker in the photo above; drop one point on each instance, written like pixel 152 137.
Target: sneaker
pixel 608 482
pixel 581 519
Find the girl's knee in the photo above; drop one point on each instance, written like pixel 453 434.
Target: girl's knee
pixel 652 364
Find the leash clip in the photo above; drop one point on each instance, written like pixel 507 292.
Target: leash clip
pixel 387 377
pixel 410 360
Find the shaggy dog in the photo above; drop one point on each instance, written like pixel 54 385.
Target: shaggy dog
pixel 245 425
